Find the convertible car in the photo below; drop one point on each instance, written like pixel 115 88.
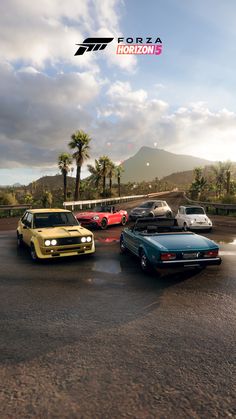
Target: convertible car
pixel 52 233
pixel 159 243
pixel 102 216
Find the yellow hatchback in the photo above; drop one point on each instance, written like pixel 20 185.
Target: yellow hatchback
pixel 52 233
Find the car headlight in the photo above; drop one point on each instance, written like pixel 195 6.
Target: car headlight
pixel 144 212
pixel 86 239
pixel 191 221
pixel 96 217
pixel 52 242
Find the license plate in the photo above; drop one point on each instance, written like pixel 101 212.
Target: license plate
pixel 193 255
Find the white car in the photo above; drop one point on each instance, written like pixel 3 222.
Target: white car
pixel 193 218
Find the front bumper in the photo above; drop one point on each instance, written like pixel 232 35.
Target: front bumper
pixel 53 252
pixel 188 263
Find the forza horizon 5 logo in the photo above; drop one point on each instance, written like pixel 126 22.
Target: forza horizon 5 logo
pixel 137 46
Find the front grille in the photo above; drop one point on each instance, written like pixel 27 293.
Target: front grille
pixel 67 241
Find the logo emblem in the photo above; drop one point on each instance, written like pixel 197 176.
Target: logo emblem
pixel 93 44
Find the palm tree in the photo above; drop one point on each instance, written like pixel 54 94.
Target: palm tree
pixel 64 164
pixel 79 142
pixel 110 174
pixel 221 171
pixel 104 162
pixel 118 171
pixel 96 174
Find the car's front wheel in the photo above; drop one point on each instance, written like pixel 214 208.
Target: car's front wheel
pixel 169 214
pixel 123 220
pixel 19 240
pixel 151 214
pixel 104 223
pixel 185 227
pixel 123 248
pixel 33 253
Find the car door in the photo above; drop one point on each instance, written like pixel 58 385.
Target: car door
pixel 131 241
pixel 114 217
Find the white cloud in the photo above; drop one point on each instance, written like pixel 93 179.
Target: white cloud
pixel 46 32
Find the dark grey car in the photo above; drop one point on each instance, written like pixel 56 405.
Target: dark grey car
pixel 151 209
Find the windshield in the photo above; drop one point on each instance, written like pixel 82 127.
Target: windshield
pixel 195 210
pixel 54 219
pixel 99 208
pixel 146 205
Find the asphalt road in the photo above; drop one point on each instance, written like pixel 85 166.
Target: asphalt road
pixel 94 337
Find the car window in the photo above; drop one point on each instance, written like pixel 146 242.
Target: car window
pixel 147 204
pixel 54 219
pixel 195 210
pixel 28 220
pixel 23 219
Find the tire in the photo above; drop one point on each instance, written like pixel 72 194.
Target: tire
pixel 104 223
pixel 169 214
pixel 33 253
pixel 185 227
pixel 123 248
pixel 19 240
pixel 151 215
pixel 123 220
pixel 144 262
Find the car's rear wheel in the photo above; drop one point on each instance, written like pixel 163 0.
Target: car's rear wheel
pixel 123 220
pixel 144 262
pixel 33 253
pixel 19 240
pixel 123 248
pixel 104 223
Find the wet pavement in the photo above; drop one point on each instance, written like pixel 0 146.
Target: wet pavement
pixel 94 337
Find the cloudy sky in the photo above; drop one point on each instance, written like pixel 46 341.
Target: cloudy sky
pixel 182 101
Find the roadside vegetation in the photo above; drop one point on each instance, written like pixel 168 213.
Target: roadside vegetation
pixel 214 184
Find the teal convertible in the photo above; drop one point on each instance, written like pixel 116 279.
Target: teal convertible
pixel 159 243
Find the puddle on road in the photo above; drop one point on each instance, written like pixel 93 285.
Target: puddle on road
pixel 110 266
pixel 107 240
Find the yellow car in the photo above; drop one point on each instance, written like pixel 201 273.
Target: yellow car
pixel 52 233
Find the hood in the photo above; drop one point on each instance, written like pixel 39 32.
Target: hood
pixel 140 210
pixel 59 232
pixel 182 242
pixel 89 214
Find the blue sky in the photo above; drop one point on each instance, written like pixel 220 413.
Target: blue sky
pixel 182 101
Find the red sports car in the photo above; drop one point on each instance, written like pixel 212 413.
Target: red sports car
pixel 102 216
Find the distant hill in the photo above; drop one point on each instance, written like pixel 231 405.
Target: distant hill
pixel 51 183
pixel 149 163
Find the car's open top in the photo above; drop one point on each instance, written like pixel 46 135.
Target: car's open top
pixel 150 225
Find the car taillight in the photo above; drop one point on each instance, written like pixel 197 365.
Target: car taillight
pixel 168 256
pixel 211 253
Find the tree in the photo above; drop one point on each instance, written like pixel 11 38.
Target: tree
pixel 110 174
pixel 96 173
pixel 46 199
pixel 79 142
pixel 118 171
pixel 199 183
pixel 104 162
pixel 221 173
pixel 64 164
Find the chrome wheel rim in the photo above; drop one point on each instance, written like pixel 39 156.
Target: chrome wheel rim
pixel 144 261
